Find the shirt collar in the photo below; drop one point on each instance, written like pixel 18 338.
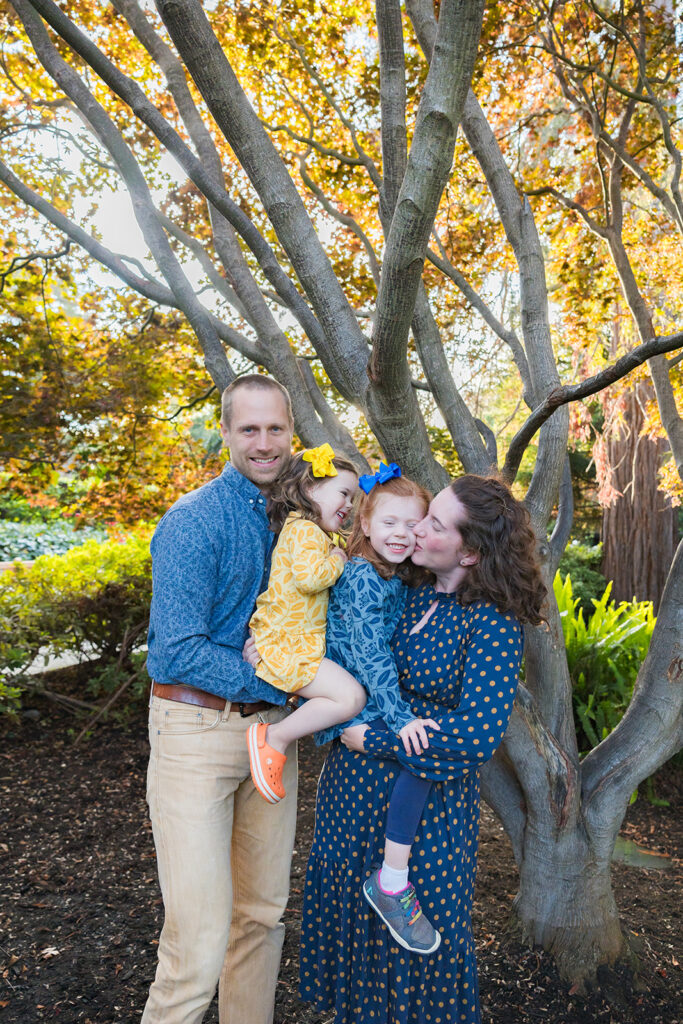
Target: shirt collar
pixel 439 595
pixel 244 487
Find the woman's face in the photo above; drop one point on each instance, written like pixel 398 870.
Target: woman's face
pixel 439 545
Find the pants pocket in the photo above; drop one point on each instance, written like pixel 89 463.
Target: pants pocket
pixel 183 719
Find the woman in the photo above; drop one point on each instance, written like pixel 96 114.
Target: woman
pixel 458 649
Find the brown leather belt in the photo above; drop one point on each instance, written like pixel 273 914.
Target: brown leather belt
pixel 202 699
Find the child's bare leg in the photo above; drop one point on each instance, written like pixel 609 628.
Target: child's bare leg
pixel 334 696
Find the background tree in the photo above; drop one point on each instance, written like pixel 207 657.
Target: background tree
pixel 112 393
pixel 600 150
pixel 319 145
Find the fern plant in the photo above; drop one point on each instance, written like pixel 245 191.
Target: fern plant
pixel 604 653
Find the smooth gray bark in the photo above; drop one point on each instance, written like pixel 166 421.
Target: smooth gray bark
pixel 211 71
pixel 427 170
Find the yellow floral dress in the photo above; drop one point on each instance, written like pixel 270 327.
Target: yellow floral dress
pixel 288 625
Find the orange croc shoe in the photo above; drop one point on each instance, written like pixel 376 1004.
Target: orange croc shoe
pixel 266 764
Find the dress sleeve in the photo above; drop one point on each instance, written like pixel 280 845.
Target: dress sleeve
pixel 374 662
pixel 313 568
pixel 470 732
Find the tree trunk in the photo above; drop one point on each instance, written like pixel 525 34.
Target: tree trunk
pixel 565 902
pixel 563 818
pixel 640 528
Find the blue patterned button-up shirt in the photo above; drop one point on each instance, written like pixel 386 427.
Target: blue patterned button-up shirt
pixel 210 561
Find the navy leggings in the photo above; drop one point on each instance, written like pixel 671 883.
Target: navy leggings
pixel 406 804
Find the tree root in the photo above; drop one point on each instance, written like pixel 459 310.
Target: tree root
pixel 586 958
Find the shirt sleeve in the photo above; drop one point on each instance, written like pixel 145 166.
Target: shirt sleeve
pixel 313 568
pixel 185 570
pixel 470 732
pixel 374 663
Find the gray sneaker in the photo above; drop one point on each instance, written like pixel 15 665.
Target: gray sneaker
pixel 402 915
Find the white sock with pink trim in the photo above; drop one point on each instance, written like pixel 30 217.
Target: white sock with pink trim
pixel 392 879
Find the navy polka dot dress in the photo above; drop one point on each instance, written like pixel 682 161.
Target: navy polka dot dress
pixel 461 669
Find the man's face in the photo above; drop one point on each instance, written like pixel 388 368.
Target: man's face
pixel 259 434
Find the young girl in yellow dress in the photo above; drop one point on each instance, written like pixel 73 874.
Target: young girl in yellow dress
pixel 310 503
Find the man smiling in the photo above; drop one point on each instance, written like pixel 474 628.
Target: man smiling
pixel 223 854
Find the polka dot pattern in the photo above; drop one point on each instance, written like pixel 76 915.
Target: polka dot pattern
pixel 461 669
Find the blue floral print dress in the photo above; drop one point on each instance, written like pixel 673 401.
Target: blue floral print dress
pixel 362 615
pixel 461 669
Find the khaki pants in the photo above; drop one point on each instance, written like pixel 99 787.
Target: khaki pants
pixel 223 856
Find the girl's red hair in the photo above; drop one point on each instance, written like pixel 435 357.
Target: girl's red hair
pixel 358 544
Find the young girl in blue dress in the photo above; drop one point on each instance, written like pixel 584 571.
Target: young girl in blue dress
pixel 364 608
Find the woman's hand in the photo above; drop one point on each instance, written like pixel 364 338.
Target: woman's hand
pixel 414 732
pixel 249 652
pixel 353 737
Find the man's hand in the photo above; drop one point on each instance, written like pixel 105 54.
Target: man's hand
pixel 414 732
pixel 249 652
pixel 340 553
pixel 353 737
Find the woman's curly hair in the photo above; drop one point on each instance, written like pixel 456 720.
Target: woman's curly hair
pixel 359 544
pixel 498 530
pixel 291 490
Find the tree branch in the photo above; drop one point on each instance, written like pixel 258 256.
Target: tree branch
pixel 364 157
pixel 342 348
pixel 145 213
pixel 333 430
pixel 461 424
pixel 21 262
pixel 652 728
pixel 570 204
pixel 652 98
pixel 131 94
pixel 146 286
pixel 548 778
pixel 427 171
pixel 342 218
pixel 311 143
pixel 392 105
pixel 475 300
pixel 572 393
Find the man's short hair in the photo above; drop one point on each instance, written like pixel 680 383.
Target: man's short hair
pixel 253 380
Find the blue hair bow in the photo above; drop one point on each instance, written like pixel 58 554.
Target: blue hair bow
pixel 384 473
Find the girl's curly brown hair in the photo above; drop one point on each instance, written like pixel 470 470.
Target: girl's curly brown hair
pixel 291 490
pixel 358 544
pixel 498 529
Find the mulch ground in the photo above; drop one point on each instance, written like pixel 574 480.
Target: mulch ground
pixel 80 910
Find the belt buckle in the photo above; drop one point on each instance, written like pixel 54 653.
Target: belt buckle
pixel 243 714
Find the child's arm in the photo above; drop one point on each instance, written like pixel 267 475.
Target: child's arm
pixel 414 737
pixel 314 566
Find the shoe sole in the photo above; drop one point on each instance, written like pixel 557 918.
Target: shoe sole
pixel 257 776
pixel 402 942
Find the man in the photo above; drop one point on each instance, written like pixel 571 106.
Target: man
pixel 223 853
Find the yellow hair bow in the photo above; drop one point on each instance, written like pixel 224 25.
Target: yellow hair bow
pixel 321 459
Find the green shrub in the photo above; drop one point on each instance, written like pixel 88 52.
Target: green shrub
pixel 30 540
pixel 582 562
pixel 92 602
pixel 604 653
